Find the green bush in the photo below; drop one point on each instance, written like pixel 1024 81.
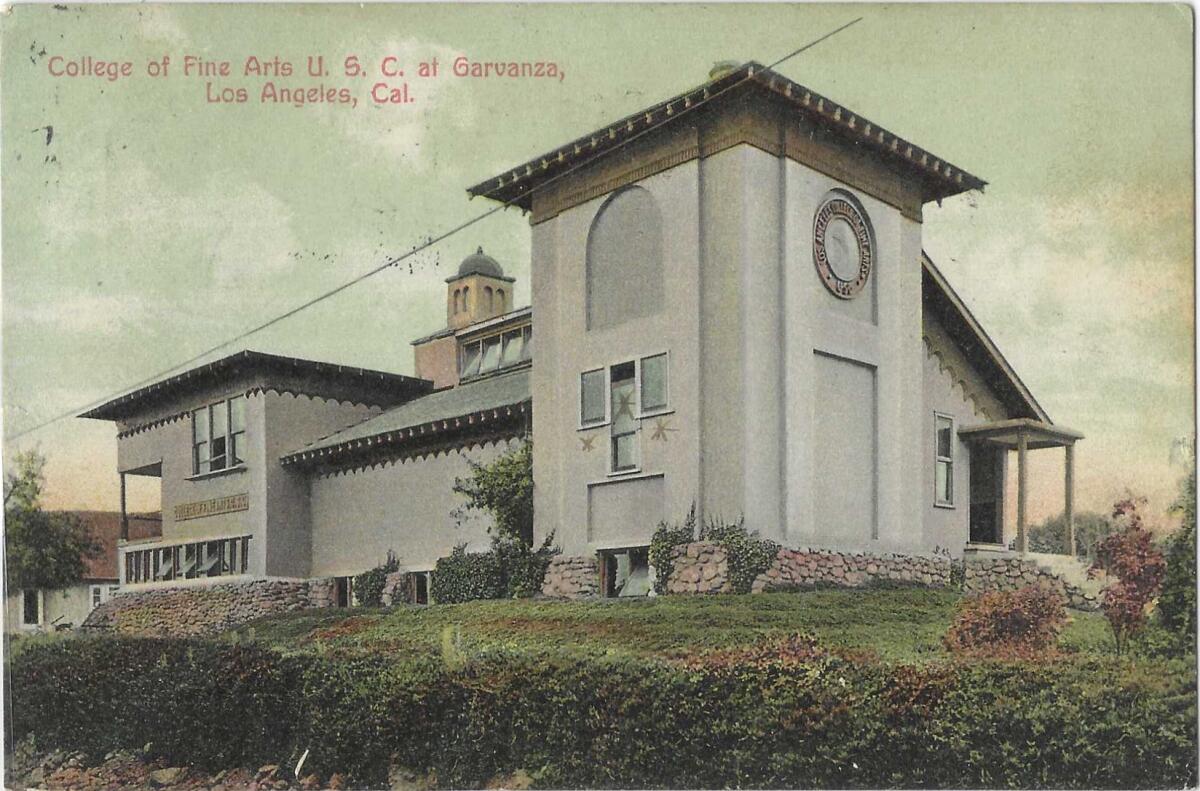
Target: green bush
pixel 1177 602
pixel 466 576
pixel 368 586
pixel 782 715
pixel 749 555
pixel 666 538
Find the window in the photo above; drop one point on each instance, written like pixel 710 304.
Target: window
pixel 97 596
pixel 31 608
pixel 944 460
pixel 494 352
pixel 489 297
pixel 591 398
pixel 654 384
pixel 219 436
pixel 218 558
pixel 624 418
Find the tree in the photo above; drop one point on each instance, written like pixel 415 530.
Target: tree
pixel 1130 556
pixel 1051 536
pixel 42 549
pixel 1177 604
pixel 504 489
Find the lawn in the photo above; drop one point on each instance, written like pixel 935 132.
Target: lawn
pixel 898 624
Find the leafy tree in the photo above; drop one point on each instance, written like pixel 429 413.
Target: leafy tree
pixel 1177 604
pixel 42 549
pixel 504 489
pixel 1130 556
pixel 1051 536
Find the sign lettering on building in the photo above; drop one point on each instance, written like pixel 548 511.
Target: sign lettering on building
pixel 217 505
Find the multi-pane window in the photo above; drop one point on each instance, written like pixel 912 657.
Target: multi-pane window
pixel 219 435
pixel 944 460
pixel 624 428
pixel 217 558
pixel 621 396
pixel 102 593
pixel 491 353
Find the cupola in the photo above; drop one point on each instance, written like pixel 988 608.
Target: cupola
pixel 479 291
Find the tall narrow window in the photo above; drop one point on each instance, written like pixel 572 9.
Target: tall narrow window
pixel 500 300
pixel 591 398
pixel 491 354
pixel 944 461
pixel 31 608
pixel 624 418
pixel 97 596
pixel 654 384
pixel 489 299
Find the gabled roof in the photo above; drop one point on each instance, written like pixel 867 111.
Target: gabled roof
pixel 105 527
pixel 941 179
pixel 943 302
pixel 326 379
pixel 454 412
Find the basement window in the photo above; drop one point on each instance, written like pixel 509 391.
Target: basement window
pixel 625 572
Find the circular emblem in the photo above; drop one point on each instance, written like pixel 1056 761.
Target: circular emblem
pixel 843 248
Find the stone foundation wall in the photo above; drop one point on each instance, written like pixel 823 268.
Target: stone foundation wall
pixel 700 567
pixel 571 578
pixel 981 575
pixel 195 611
pixel 796 568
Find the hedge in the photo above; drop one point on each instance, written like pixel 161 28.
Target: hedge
pixel 793 717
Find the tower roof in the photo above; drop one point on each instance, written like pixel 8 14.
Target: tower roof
pixel 480 263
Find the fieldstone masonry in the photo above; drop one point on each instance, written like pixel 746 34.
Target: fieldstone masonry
pixel 701 567
pixel 798 568
pixel 1013 573
pixel 195 611
pixel 571 577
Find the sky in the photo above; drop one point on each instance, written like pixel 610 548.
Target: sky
pixel 142 223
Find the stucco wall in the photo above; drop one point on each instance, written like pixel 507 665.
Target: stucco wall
pixel 291 422
pixel 67 606
pixel 951 387
pixel 564 467
pixel 403 506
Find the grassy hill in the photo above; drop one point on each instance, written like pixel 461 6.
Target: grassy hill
pixel 897 624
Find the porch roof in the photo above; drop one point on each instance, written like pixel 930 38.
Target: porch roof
pixel 1007 433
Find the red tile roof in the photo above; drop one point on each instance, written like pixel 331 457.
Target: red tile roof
pixel 105 526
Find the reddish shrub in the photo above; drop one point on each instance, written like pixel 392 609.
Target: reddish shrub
pixel 1014 623
pixel 1129 556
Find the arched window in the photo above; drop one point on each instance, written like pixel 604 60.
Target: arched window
pixel 466 295
pixel 500 300
pixel 624 260
pixel 488 298
pixel 458 300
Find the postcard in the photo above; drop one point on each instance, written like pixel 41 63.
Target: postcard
pixel 598 395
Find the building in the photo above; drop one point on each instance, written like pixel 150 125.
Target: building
pixel 46 610
pixel 734 311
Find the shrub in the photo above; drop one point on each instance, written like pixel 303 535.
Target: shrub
pixel 463 576
pixel 368 586
pixel 666 538
pixel 794 715
pixel 522 568
pixel 1012 622
pixel 1130 556
pixel 749 555
pixel 1177 604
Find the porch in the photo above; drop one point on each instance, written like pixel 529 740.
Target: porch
pixel 990 444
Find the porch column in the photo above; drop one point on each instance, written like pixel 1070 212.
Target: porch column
pixel 1022 481
pixel 1069 496
pixel 124 515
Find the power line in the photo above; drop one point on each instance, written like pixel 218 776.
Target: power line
pixel 418 248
